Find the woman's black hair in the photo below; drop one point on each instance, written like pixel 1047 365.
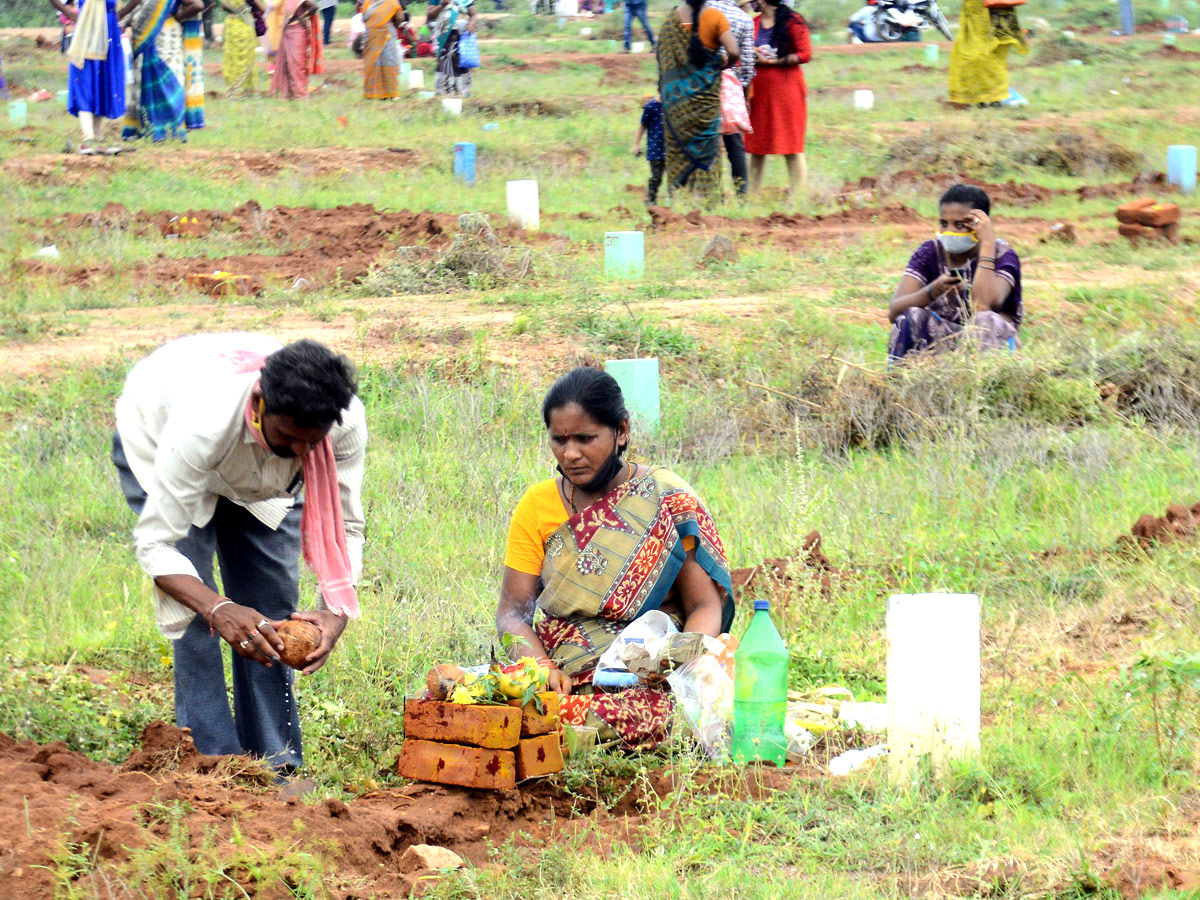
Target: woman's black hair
pixel 781 36
pixel 308 382
pixel 970 196
pixel 697 52
pixel 596 392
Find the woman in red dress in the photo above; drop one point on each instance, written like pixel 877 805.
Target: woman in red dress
pixel 778 102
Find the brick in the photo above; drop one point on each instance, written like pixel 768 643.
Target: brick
pixel 534 722
pixel 1127 213
pixel 1136 233
pixel 1171 232
pixel 1158 215
pixel 472 767
pixel 541 755
pixel 493 727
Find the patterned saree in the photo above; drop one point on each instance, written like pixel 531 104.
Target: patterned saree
pixel 691 99
pixel 604 567
pixel 381 56
pixel 156 94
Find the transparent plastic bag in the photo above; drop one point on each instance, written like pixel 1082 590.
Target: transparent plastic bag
pixel 704 694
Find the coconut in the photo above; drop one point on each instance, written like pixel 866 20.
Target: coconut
pixel 300 639
pixel 441 680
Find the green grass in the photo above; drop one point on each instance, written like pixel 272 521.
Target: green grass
pixel 1015 457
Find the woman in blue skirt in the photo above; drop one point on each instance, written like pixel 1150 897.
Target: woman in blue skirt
pixel 96 87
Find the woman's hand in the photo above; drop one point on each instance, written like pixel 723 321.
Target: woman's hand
pixel 944 283
pixel 559 681
pixel 983 227
pixel 331 625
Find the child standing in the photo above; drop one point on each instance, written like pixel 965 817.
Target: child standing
pixel 651 125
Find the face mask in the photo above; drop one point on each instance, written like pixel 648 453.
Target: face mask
pixel 610 470
pixel 957 242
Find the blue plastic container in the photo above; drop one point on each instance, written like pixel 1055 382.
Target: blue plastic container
pixel 624 254
pixel 464 162
pixel 638 379
pixel 1181 167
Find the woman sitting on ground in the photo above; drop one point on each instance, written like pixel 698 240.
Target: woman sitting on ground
pixel 965 277
pixel 596 548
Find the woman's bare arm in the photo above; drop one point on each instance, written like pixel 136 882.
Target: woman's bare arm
pixel 514 615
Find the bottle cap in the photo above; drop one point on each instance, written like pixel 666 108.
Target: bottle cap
pixel 761 604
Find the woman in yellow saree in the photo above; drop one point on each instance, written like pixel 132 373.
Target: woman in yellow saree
pixel 979 58
pixel 237 68
pixel 381 56
pixel 596 548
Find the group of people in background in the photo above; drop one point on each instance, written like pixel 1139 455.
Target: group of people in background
pixel 151 79
pixel 729 74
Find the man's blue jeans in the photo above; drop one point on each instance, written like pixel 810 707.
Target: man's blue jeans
pixel 636 10
pixel 259 568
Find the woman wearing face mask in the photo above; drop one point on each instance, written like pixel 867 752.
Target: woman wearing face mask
pixel 965 277
pixel 595 548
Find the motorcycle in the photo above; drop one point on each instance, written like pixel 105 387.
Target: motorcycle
pixel 886 21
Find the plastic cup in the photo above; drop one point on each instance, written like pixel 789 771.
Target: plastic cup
pixel 579 739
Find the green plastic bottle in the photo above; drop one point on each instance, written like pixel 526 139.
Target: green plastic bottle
pixel 760 675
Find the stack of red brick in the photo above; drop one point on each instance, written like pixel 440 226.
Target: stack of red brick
pixel 480 746
pixel 1147 220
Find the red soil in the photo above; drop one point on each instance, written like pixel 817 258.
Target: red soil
pixel 1179 524
pixel 774 575
pixel 53 794
pixel 1011 193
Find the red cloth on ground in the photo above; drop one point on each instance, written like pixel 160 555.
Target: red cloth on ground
pixel 778 99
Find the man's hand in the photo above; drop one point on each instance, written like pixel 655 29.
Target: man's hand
pixel 637 150
pixel 331 626
pixel 248 631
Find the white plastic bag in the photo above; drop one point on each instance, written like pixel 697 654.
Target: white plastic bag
pixel 642 637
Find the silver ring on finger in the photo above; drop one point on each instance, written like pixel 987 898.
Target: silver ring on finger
pixel 262 623
pixel 243 644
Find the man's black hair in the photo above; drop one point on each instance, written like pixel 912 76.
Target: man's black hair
pixel 310 383
pixel 969 195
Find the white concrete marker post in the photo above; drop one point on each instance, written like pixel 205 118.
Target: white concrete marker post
pixel 932 682
pixel 523 208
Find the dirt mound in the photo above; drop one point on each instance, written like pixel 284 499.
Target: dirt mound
pixel 1179 524
pixel 786 230
pixel 872 188
pixel 56 798
pixel 53 793
pixel 61 168
pixel 1172 52
pixel 773 575
pixel 319 244
pixel 1149 866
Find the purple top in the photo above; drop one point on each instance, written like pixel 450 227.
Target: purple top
pixel 930 261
